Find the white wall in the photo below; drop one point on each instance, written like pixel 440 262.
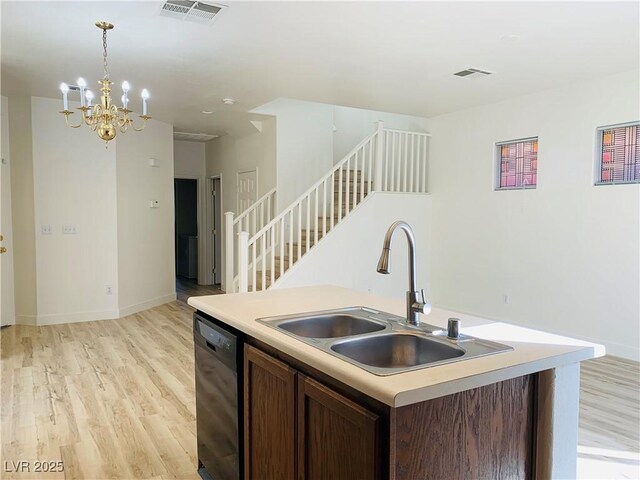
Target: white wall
pixel 354 124
pixel 188 158
pixel 7 297
pixel 189 161
pixel 74 183
pixel 229 155
pixel 304 145
pixel 566 253
pixel 22 210
pixel 349 254
pixel 63 176
pixel 146 268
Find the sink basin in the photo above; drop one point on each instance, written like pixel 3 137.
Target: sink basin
pixel 330 326
pixel 396 350
pixel 379 342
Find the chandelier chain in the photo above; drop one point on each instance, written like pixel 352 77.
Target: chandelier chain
pixel 104 55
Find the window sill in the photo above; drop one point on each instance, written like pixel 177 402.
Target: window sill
pixel 599 184
pixel 526 187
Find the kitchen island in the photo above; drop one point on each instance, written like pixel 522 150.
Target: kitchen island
pixel 309 414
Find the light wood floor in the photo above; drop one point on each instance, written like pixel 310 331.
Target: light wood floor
pixel 186 288
pixel 115 399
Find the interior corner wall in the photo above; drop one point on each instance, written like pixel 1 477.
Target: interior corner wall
pixel 566 253
pixel 73 186
pixel 304 145
pixel 146 269
pixel 354 124
pixel 228 155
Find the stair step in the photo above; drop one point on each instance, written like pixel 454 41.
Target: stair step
pixel 336 193
pixel 303 246
pixel 259 280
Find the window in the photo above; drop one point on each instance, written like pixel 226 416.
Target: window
pixel 618 154
pixel 517 164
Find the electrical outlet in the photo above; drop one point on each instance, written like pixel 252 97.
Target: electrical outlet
pixel 109 290
pixel 69 229
pixel 46 230
pixel 505 298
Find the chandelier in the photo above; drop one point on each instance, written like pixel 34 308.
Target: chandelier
pixel 104 117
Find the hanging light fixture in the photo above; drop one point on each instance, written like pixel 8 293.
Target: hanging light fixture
pixel 104 117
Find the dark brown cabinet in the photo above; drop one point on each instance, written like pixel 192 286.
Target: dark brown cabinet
pixel 269 417
pixel 336 437
pixel 296 427
pixel 304 428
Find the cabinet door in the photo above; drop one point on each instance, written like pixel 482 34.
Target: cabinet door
pixel 337 439
pixel 269 413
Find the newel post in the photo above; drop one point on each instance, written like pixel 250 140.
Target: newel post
pixel 228 252
pixel 243 262
pixel 377 182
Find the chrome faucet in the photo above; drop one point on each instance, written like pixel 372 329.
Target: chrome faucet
pixel 416 303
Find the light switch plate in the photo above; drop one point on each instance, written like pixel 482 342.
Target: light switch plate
pixel 69 229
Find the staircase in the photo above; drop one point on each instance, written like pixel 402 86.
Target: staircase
pixel 387 160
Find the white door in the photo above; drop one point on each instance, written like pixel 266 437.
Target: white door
pixel 7 305
pixel 247 189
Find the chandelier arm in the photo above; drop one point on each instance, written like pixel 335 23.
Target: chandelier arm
pixel 144 122
pixel 66 114
pixel 123 120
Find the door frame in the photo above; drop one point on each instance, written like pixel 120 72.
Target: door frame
pixel 208 276
pixel 7 266
pixel 199 220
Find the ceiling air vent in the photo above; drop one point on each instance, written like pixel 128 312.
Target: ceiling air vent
pixel 193 137
pixel 472 73
pixel 191 11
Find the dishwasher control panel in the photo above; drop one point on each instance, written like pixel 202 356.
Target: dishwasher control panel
pixel 215 338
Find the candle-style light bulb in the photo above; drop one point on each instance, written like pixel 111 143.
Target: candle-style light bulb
pixel 125 98
pixel 89 96
pixel 145 97
pixel 83 85
pixel 64 88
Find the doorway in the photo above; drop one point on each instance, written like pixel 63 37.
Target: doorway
pixel 186 228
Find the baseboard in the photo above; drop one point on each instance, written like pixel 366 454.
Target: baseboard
pixel 25 320
pixel 76 317
pixel 154 302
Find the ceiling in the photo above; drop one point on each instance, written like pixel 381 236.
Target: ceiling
pixel 388 56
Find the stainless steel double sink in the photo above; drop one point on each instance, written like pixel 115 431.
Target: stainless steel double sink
pixel 379 342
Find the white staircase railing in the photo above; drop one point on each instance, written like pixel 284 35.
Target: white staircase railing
pixel 385 161
pixel 252 220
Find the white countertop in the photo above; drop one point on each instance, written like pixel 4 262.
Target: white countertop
pixel 534 351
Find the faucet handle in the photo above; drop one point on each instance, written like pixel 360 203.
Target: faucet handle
pixel 421 305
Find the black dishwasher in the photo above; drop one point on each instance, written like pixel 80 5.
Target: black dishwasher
pixel 218 365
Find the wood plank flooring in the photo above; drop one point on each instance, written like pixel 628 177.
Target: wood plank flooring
pixel 115 399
